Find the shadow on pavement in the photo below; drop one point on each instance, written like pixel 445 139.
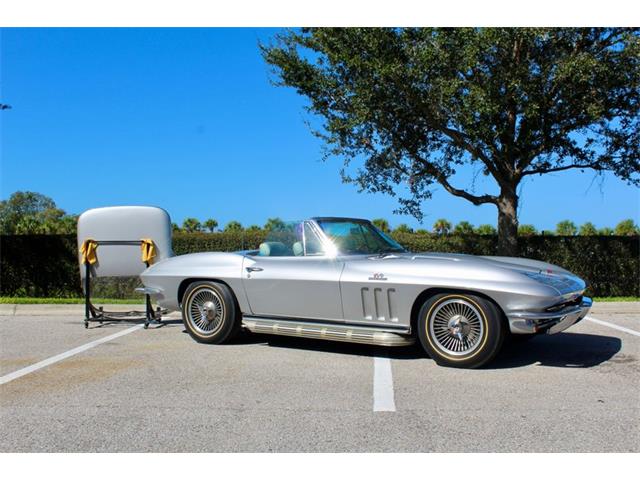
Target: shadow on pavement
pixel 568 350
pixel 343 348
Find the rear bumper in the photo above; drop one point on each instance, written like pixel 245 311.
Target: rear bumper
pixel 148 291
pixel 548 322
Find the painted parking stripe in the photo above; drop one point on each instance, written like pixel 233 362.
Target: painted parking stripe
pixel 383 396
pixel 69 353
pixel 613 325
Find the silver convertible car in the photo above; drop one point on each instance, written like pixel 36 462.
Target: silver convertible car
pixel 343 279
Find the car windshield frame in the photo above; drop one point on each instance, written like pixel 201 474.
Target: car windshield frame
pixel 376 243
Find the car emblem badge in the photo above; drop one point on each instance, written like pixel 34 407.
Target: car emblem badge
pixel 378 276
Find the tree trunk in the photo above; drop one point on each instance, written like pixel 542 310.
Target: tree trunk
pixel 508 222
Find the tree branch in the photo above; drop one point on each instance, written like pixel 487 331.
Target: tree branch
pixel 428 168
pixel 475 199
pixel 460 139
pixel 559 169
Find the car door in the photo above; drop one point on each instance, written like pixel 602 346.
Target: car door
pixel 306 286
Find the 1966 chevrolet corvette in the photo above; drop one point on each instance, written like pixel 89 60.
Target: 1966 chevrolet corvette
pixel 343 279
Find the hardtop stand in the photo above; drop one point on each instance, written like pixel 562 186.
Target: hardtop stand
pixel 121 242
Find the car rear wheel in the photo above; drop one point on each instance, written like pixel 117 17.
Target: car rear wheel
pixel 209 312
pixel 460 330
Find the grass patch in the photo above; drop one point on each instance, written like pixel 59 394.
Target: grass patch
pixel 70 301
pixel 140 299
pixel 616 299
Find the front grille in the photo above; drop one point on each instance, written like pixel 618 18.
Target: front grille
pixel 561 306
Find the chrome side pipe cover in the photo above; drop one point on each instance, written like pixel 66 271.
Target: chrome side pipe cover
pixel 326 331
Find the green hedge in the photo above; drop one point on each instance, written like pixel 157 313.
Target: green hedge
pixel 609 264
pixel 46 265
pixel 216 242
pixel 39 266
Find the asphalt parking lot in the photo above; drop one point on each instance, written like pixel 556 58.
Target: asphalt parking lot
pixel 158 390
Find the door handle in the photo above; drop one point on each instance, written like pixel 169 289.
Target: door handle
pixel 253 269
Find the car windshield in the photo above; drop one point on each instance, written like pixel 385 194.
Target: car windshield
pixel 352 237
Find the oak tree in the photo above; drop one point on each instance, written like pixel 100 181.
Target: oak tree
pixel 410 107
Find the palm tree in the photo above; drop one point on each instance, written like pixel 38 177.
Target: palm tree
pixel 403 228
pixel 233 226
pixel 627 227
pixel 382 224
pixel 566 227
pixel 191 225
pixel 211 224
pixel 442 226
pixel 486 229
pixel 588 229
pixel 527 230
pixel 463 228
pixel 275 223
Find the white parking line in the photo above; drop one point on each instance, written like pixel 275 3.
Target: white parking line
pixel 383 396
pixel 69 353
pixel 613 325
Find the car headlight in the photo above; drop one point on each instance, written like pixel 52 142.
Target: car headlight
pixel 561 282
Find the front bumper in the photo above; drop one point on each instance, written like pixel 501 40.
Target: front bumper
pixel 549 322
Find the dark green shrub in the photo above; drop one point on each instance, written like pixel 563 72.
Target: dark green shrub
pixel 39 266
pixel 47 265
pixel 216 242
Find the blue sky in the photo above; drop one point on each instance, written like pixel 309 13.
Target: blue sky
pixel 188 120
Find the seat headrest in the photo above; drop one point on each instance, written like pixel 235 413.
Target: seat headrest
pixel 272 249
pixel 298 249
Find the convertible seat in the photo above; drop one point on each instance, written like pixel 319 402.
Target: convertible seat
pixel 298 249
pixel 272 249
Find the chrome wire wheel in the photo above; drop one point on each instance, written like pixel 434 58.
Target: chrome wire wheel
pixel 205 311
pixel 456 326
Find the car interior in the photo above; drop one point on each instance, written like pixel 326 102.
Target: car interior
pixel 289 242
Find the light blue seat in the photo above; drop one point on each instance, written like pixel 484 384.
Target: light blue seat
pixel 272 249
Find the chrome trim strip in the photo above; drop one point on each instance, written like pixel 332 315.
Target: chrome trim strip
pixel 148 290
pixel 323 331
pixel 385 328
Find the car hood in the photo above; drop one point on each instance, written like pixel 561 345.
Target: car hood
pixel 538 271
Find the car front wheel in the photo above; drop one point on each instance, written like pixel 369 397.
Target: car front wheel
pixel 460 330
pixel 209 312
